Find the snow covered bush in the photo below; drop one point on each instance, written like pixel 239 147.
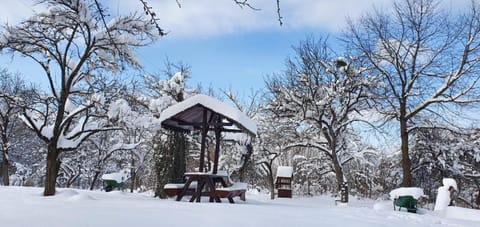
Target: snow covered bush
pixel 440 153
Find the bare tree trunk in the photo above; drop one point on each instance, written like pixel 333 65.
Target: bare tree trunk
pixel 267 166
pixel 272 182
pixel 406 164
pixel 94 180
pixel 338 170
pixel 5 162
pixel 133 175
pixel 5 166
pixel 477 201
pixel 246 160
pixel 337 167
pixel 53 166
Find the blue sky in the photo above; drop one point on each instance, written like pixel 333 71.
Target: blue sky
pixel 233 61
pixel 233 48
pixel 226 46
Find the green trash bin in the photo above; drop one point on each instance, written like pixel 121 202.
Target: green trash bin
pixel 109 185
pixel 407 202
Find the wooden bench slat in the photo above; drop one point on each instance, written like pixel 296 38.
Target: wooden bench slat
pixel 172 189
pixel 237 189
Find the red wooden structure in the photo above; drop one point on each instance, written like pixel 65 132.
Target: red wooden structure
pixel 283 182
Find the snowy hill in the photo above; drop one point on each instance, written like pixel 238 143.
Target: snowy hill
pixel 70 207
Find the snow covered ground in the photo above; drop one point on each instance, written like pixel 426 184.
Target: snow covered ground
pixel 27 207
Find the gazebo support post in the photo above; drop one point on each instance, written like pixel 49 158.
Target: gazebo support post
pixel 204 137
pixel 217 144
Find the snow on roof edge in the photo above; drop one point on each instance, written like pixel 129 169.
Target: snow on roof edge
pixel 284 171
pixel 120 176
pixel 403 191
pixel 213 104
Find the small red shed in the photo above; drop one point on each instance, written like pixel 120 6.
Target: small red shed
pixel 283 182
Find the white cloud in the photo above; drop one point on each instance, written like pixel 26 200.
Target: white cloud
pixel 203 18
pixel 213 17
pixel 13 12
pixel 326 14
pixel 199 18
pixel 206 18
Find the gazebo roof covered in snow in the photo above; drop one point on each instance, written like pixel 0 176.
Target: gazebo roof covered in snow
pixel 204 113
pixel 188 115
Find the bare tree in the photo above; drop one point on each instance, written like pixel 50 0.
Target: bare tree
pixel 102 149
pixel 427 61
pixel 321 95
pixel 240 149
pixel 12 87
pixel 72 45
pixel 274 135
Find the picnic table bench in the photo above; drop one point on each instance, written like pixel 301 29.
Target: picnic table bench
pixel 173 189
pixel 237 189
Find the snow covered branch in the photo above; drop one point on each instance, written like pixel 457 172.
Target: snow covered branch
pixel 154 20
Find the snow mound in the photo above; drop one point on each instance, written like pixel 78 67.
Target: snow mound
pixel 81 197
pixel 383 205
pixel 449 182
pixel 462 213
pixel 24 207
pixel 403 191
pixel 66 193
pixel 443 195
pixel 73 195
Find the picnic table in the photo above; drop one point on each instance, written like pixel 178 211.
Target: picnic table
pixel 205 181
pixel 206 185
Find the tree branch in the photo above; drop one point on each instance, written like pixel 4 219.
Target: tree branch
pixel 154 20
pixel 278 13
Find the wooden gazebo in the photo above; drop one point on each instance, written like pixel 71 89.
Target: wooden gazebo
pixel 204 113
